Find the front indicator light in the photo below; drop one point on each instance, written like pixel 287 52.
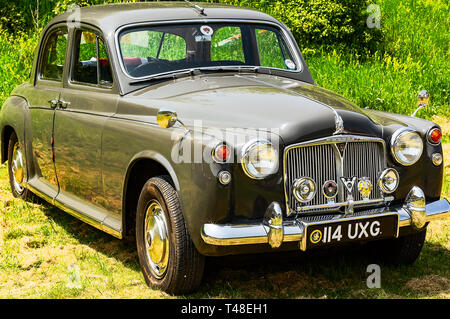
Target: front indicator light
pixel 435 136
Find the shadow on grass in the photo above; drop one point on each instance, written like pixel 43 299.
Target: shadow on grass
pixel 332 273
pixel 124 251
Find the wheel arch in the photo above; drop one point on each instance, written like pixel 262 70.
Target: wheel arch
pixel 14 115
pixel 7 130
pixel 142 167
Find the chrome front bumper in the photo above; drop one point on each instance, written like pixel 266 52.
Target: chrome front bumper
pixel 274 231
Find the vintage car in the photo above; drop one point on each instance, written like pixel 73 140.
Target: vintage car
pixel 199 131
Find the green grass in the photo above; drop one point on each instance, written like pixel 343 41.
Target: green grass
pixel 39 242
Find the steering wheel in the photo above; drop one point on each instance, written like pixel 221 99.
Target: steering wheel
pixel 150 67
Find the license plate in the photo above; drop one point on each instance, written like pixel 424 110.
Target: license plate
pixel 349 230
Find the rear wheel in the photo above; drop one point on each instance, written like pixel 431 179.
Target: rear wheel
pixel 17 169
pixel 168 257
pixel 400 251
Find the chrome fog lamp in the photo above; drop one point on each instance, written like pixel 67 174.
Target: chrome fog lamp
pixel 304 189
pixel 415 205
pixel 259 159
pixel 389 180
pixel 406 146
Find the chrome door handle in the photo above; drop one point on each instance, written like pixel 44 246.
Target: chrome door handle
pixel 63 104
pixel 53 103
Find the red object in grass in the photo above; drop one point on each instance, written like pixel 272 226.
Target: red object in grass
pixel 435 135
pixel 222 153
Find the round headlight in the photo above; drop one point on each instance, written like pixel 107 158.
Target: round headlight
pixel 259 159
pixel 407 146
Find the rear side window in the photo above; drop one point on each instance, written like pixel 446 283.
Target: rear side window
pixel 92 64
pixel 54 56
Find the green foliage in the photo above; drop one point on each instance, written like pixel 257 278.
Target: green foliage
pixel 318 23
pixel 16 57
pixel 414 56
pixel 376 68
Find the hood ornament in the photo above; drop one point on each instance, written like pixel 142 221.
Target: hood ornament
pixel 339 124
pixel 349 184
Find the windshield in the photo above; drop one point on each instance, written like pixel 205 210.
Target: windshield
pixel 148 51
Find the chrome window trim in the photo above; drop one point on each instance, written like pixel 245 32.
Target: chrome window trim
pixel 72 62
pixel 286 35
pixel 394 137
pixel 340 169
pixel 39 64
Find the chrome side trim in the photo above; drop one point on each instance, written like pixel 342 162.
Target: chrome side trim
pixel 257 233
pixel 95 223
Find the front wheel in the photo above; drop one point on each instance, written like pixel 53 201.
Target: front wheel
pixel 168 258
pixel 400 251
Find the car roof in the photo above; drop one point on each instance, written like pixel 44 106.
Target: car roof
pixel 110 17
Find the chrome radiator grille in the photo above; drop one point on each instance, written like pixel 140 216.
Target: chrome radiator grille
pixel 330 159
pixel 364 160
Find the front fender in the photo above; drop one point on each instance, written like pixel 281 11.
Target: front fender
pixel 15 116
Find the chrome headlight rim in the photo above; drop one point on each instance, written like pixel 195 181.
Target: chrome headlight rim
pixel 381 177
pixel 395 137
pixel 244 158
pixel 312 189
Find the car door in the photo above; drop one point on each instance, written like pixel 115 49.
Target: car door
pixel 43 101
pixel 86 102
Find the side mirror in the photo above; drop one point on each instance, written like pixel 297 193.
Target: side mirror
pixel 422 101
pixel 166 118
pixel 423 98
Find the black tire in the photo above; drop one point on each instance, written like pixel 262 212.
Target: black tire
pixel 400 251
pixel 184 270
pixel 17 190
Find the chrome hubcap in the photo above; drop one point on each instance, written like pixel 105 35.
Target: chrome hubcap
pixel 17 168
pixel 156 239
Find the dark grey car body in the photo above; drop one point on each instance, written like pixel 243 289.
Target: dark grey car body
pixel 92 158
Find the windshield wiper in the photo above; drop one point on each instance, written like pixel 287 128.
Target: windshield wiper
pixel 168 76
pixel 196 71
pixel 254 69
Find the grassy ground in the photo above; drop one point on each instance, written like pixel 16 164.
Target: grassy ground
pixel 38 243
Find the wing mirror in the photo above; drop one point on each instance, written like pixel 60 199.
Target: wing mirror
pixel 422 101
pixel 166 118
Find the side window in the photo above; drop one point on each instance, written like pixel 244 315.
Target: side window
pixel 54 56
pixel 272 51
pixel 173 48
pixel 150 46
pixel 226 45
pixel 92 65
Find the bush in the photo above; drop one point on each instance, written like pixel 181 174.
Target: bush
pixel 319 23
pixel 16 58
